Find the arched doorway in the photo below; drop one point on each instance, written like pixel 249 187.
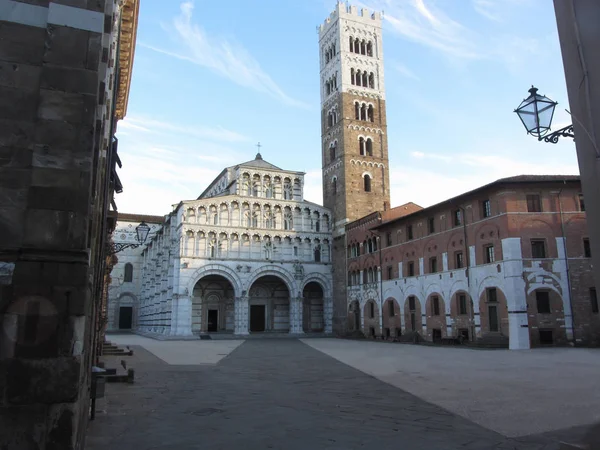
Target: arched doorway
pixel 371 318
pixel 213 305
pixel 354 323
pixel 392 322
pixel 269 305
pixel 125 312
pixel 312 312
pixel 435 310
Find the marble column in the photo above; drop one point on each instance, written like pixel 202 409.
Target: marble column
pixel 296 316
pixel 241 316
pixel 328 314
pixel 182 324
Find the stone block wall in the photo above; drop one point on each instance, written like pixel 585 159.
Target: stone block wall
pixel 54 189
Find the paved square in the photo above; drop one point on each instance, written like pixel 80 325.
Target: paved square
pixel 283 394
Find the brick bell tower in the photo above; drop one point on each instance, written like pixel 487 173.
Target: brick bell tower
pixel 354 130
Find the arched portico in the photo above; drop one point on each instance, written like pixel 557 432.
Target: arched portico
pixel 313 311
pixel 270 305
pixel 213 304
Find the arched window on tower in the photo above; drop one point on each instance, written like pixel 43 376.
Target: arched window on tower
pixel 365 79
pixel 288 221
pixel 128 276
pixel 332 149
pixel 372 80
pixel 363 48
pixel 334 185
pixel 352 79
pixel 370 49
pixel 363 112
pixel 351 43
pixel 356 45
pixel 318 253
pixel 370 245
pixel 357 111
pixel 374 244
pixel 327 88
pixel 371 114
pixel 367 179
pixel 329 119
pixel 369 147
pixel 361 146
pixel 358 78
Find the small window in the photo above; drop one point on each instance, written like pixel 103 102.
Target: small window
pixel 486 208
pixel 128 277
pixel 435 302
pixel 391 308
pixel 457 217
pixel 492 295
pixel 295 251
pixel 533 203
pixel 409 232
pixel 489 254
pixel 372 309
pixel 462 304
pixel 594 300
pixel 367 183
pixel 389 239
pixel 459 260
pixel 433 264
pixel 431 225
pixel 538 248
pixel 411 303
pixel 390 273
pixel 581 203
pixel 411 269
pixel 317 254
pixel 542 299
pixel 587 251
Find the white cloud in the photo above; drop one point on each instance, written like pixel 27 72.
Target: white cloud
pixel 488 9
pixel 224 57
pixel 404 71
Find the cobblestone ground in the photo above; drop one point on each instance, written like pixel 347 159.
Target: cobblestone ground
pixel 278 394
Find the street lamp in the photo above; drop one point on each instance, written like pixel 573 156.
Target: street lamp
pixel 142 231
pixel 536 113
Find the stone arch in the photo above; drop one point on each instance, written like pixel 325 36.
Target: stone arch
pixel 462 312
pixel 215 269
pixel 213 304
pixel 272 269
pixel 354 316
pixel 371 318
pixel 435 316
pixel 493 309
pixel 546 325
pixel 313 307
pixel 412 314
pixel 391 318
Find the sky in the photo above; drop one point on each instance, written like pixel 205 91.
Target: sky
pixel 212 79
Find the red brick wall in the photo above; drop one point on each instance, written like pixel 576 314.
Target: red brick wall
pixel 393 323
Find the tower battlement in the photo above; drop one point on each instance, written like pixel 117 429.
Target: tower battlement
pixel 351 12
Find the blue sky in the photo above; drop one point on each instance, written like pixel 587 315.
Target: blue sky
pixel 211 79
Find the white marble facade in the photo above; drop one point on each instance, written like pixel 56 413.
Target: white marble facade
pixel 249 255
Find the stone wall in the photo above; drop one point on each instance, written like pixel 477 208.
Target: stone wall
pixel 55 117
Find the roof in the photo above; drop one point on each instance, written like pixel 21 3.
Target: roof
pixel 400 211
pixel 140 218
pixel 260 163
pixel 502 181
pixel 127 40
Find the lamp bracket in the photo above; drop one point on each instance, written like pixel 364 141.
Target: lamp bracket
pixel 563 132
pixel 118 247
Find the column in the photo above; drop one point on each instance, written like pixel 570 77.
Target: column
pixel 241 316
pixel 296 316
pixel 514 291
pixel 182 322
pixel 328 314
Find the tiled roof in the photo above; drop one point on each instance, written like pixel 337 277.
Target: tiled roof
pixel 537 178
pixel 140 218
pixel 260 163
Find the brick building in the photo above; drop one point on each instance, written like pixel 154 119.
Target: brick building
pixel 507 262
pixel 65 71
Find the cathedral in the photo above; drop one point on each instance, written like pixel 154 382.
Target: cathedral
pixel 250 254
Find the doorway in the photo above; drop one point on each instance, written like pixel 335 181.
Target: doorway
pixel 257 317
pixel 125 317
pixel 493 318
pixel 213 320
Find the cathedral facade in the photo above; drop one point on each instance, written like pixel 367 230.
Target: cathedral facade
pixel 248 255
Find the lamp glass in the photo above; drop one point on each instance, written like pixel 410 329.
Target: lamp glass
pixel 142 231
pixel 536 113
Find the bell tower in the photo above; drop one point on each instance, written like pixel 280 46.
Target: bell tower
pixel 353 129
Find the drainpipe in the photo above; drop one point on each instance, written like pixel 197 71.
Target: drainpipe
pixel 562 229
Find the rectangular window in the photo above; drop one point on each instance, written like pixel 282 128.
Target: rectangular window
pixel 372 307
pixel 433 265
pixel 581 203
pixel 542 299
pixel 489 254
pixel 411 303
pixel 594 300
pixel 435 301
pixel 409 232
pixel 389 239
pixel 492 295
pixel 391 308
pixel 462 304
pixel 486 208
pixel 431 225
pixel 587 251
pixel 411 269
pixel 295 251
pixel 538 248
pixel 459 260
pixel 390 274
pixel 534 203
pixel 457 217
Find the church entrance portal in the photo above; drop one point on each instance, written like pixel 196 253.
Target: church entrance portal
pixel 312 310
pixel 257 318
pixel 272 295
pixel 213 305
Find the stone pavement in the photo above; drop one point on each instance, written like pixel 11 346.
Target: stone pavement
pixel 278 394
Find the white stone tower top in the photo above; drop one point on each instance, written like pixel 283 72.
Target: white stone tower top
pixel 341 61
